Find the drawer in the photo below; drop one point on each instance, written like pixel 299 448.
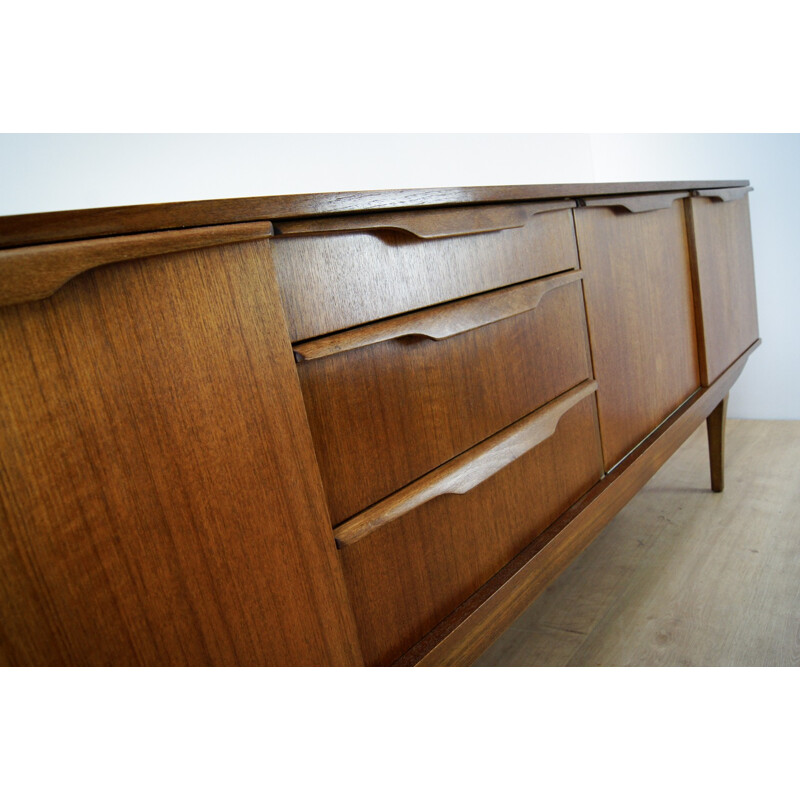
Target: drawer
pixel 391 401
pixel 411 559
pixel 338 272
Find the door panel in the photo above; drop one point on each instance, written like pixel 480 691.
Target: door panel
pixel 719 229
pixel 640 312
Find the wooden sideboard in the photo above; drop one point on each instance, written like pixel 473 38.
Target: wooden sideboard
pixel 344 429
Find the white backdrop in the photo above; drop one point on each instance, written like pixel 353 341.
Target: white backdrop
pixel 51 172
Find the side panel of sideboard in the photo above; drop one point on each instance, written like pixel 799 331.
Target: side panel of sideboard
pixel 159 498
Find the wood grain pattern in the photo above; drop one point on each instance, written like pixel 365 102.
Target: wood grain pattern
pixel 70 225
pixel 683 577
pixel 439 322
pixel 159 499
pixel 641 328
pixel 636 204
pixel 429 224
pixel 468 470
pixel 460 638
pixel 383 415
pixel 715 425
pixel 33 273
pixel 325 286
pixel 414 571
pixel 164 463
pixel 724 281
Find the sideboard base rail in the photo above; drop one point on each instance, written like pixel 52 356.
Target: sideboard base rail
pixel 460 638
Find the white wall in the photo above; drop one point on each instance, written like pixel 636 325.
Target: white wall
pixel 50 172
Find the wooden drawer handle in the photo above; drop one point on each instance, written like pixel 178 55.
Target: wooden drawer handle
pixel 438 224
pixel 440 322
pixel 724 195
pixel 33 273
pixel 636 203
pixel 468 470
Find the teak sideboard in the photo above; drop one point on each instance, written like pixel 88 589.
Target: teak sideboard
pixel 345 429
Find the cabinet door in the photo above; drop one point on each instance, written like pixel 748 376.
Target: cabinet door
pixel 639 304
pixel 719 236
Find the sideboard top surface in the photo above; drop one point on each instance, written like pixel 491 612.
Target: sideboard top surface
pixel 59 226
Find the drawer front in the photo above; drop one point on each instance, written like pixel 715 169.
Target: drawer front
pixel 338 272
pixel 719 227
pixel 384 413
pixel 640 310
pixel 410 563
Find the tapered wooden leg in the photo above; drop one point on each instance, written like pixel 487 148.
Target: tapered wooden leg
pixel 715 425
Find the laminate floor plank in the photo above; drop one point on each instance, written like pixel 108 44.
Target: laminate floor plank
pixel 540 646
pixel 683 576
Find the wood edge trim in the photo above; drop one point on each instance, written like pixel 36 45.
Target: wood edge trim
pixel 428 224
pixel 723 195
pixel 36 272
pixel 697 293
pixel 440 322
pixel 746 352
pixel 59 226
pixel 467 470
pixel 462 636
pixel 637 203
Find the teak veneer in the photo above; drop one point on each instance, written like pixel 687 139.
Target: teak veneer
pixel 345 429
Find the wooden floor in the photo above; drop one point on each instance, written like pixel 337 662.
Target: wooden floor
pixel 682 576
